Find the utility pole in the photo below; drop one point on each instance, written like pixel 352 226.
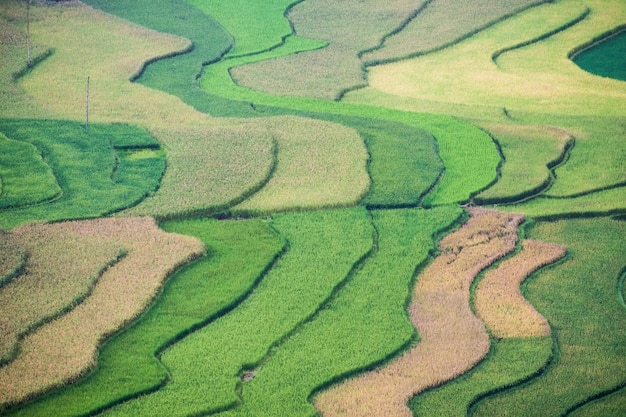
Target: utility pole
pixel 28 62
pixel 87 107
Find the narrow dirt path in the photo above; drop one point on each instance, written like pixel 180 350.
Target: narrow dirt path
pixel 452 338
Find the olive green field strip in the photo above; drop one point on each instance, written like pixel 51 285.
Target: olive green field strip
pixel 530 155
pixel 452 339
pixel 238 254
pixel 207 366
pixel 24 177
pixel 441 23
pixel 498 301
pixel 64 347
pixel 579 298
pixel 210 169
pixel 101 171
pixel 363 325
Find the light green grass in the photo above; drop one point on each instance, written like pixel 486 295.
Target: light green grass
pixel 600 203
pixel 238 253
pixel 205 367
pixel 25 178
pixel 510 362
pixel 364 323
pixel 587 317
pixel 94 177
pixel 255 26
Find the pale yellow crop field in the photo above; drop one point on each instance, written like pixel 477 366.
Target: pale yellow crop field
pixel 537 78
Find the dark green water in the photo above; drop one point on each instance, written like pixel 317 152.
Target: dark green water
pixel 607 59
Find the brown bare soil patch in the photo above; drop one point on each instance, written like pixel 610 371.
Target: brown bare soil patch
pixel 499 302
pixel 65 348
pixel 452 338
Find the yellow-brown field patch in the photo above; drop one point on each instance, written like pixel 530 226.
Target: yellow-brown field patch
pixel 65 348
pixel 452 338
pixel 59 271
pixel 498 300
pixel 320 165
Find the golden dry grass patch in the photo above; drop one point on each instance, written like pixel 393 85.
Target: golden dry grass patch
pixel 320 165
pixel 65 348
pixel 452 338
pixel 47 285
pixel 498 300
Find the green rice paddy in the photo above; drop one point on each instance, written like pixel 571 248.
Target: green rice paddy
pixel 320 151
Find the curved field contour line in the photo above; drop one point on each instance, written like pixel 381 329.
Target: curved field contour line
pixel 498 301
pixel 452 338
pixel 64 349
pixel 45 287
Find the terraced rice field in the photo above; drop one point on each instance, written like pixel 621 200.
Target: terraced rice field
pixel 300 208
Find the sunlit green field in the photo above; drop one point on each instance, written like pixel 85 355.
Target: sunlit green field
pixel 319 152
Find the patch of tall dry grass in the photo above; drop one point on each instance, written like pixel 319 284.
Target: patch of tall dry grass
pixel 12 258
pixel 498 300
pixel 65 348
pixel 59 271
pixel 320 165
pixel 452 338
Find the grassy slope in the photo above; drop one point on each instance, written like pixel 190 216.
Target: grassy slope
pixel 579 299
pixel 25 178
pixel 217 82
pixel 238 253
pixel 538 77
pixel 369 313
pixel 528 153
pixel 206 367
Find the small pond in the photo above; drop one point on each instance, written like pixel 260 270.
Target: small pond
pixel 606 58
